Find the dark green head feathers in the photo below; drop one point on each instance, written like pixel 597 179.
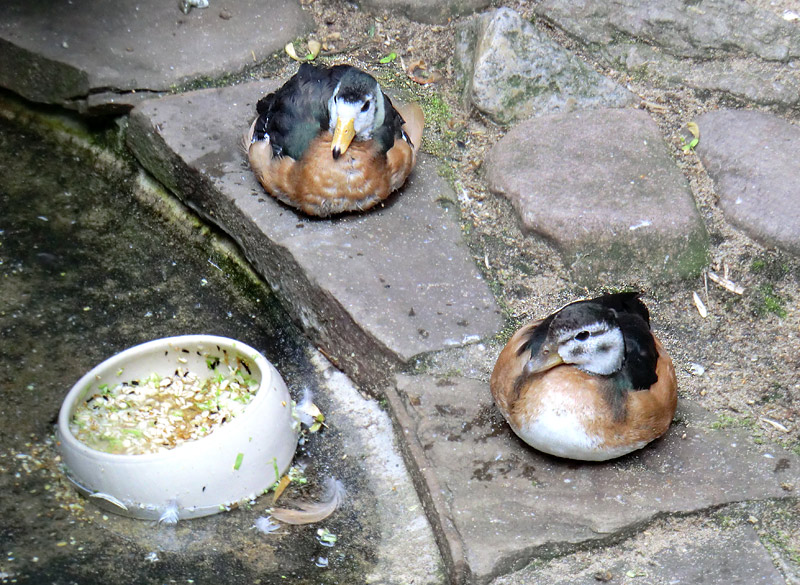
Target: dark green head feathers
pixel 342 100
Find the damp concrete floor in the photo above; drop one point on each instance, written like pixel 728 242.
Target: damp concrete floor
pixel 89 267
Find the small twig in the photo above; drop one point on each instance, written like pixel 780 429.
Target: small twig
pixel 775 424
pixel 726 283
pixel 655 107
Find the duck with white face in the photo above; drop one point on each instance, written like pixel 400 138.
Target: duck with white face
pixel 588 382
pixel 330 141
pixel 356 109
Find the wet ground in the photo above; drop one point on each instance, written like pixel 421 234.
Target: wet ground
pixel 715 501
pixel 86 270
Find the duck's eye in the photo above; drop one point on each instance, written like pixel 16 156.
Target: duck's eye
pixel 365 107
pixel 582 336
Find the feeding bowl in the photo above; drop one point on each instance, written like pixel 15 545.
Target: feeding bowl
pixel 237 461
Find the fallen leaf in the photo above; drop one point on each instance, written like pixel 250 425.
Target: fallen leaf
pixel 289 48
pixel 418 71
pixel 314 47
pixel 775 424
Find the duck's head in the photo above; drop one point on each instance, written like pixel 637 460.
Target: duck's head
pixel 356 109
pixel 584 335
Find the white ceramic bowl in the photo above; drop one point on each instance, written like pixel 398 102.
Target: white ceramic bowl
pixel 196 478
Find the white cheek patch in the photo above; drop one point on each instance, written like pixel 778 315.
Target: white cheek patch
pixel 601 353
pixel 363 121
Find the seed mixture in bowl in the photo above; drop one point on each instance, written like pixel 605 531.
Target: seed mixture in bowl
pixel 160 412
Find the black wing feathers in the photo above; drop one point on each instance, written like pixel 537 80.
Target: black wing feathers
pixel 626 302
pixel 640 351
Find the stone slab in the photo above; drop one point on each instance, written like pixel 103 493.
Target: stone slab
pixel 705 556
pixel 511 71
pixel 721 45
pixel 754 161
pixel 75 53
pixel 602 188
pixel 500 504
pixel 427 11
pixel 372 290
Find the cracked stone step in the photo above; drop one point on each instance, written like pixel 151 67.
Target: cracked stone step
pixel 496 504
pixel 708 555
pixel 372 290
pixel 601 186
pixel 108 56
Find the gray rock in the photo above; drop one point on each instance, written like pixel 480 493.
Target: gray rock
pixel 511 71
pixel 428 11
pixel 106 56
pixel 722 45
pixel 372 290
pixel 496 504
pixel 601 186
pixel 753 160
pixel 718 556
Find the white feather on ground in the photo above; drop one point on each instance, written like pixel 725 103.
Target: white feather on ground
pixel 310 512
pixel 306 409
pixel 265 525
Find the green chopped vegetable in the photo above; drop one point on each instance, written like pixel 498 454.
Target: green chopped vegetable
pixel 389 58
pixel 238 462
pixel 326 537
pixel 275 467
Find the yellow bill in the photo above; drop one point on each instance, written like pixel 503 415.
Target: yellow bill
pixel 342 136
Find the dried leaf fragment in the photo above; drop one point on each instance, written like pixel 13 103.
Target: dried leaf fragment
pixel 418 71
pixel 282 485
pixel 289 48
pixel 701 307
pixel 314 48
pixel 726 283
pixel 775 424
pixel 694 129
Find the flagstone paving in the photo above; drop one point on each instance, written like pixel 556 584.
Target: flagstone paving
pixel 373 290
pixel 105 57
pixel 618 214
pixel 753 159
pixel 379 293
pixel 510 504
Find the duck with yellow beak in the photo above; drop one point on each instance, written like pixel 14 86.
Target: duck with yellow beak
pixel 330 141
